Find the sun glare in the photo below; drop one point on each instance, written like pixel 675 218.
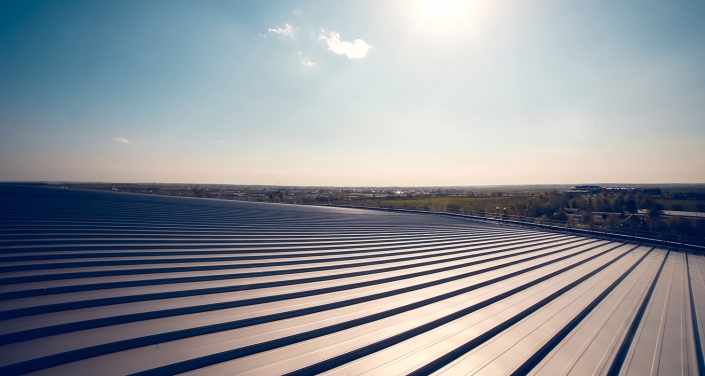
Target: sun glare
pixel 448 18
pixel 443 10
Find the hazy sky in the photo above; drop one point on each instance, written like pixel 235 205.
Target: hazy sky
pixel 353 93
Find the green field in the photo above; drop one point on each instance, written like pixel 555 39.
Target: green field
pixel 489 204
pixel 687 205
pixel 442 203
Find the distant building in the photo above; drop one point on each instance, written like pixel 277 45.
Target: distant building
pixel 591 188
pixel 586 189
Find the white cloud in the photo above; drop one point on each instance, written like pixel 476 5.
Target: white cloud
pixel 288 30
pixel 297 12
pixel 121 140
pixel 309 63
pixel 221 141
pixel 356 49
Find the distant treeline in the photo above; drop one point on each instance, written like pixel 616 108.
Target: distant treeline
pixel 609 209
pixel 615 208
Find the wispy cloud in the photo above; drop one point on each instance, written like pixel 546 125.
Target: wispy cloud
pixel 221 141
pixel 356 49
pixel 297 12
pixel 288 30
pixel 308 63
pixel 121 140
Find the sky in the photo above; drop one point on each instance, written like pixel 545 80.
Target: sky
pixel 353 93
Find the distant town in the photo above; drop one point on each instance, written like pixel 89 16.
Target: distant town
pixel 676 210
pixel 304 194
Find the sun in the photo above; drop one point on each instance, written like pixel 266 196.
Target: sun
pixel 444 10
pixel 448 18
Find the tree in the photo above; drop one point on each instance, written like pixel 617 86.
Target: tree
pixel 683 226
pixel 560 216
pixel 618 204
pixel 653 212
pixel 630 205
pixel 612 221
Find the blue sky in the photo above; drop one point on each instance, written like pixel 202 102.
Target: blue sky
pixel 353 93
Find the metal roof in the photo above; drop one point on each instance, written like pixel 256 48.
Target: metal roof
pixel 100 283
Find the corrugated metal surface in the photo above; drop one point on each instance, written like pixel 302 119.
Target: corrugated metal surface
pixel 100 283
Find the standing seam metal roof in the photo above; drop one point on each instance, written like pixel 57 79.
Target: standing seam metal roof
pixel 107 283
